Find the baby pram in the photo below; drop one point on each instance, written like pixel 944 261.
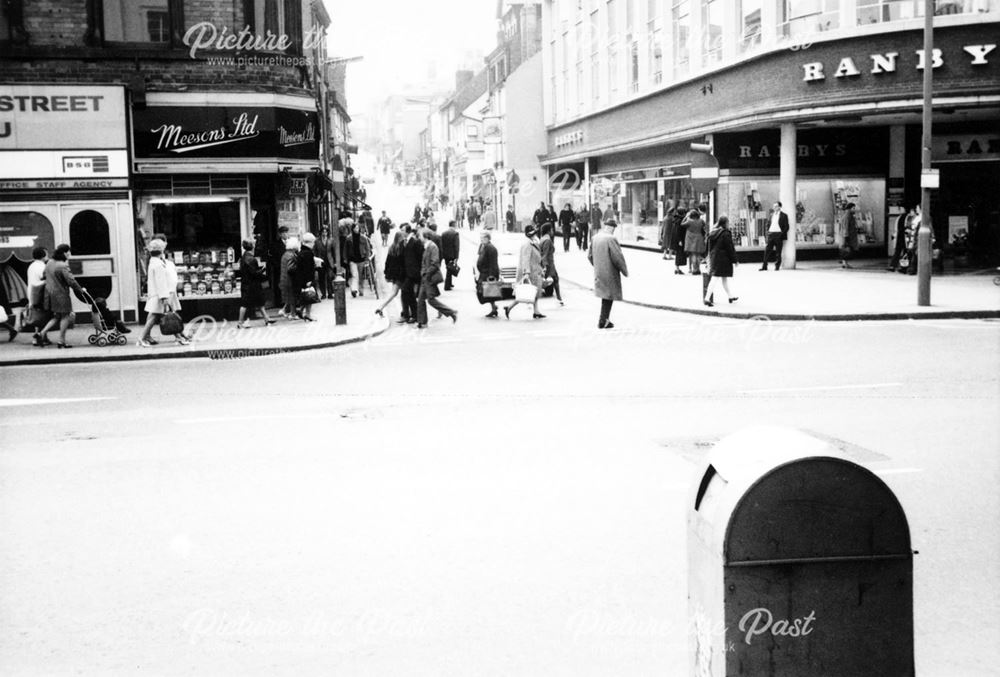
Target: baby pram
pixel 104 335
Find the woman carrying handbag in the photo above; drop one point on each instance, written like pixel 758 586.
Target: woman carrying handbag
pixel 529 274
pixel 488 274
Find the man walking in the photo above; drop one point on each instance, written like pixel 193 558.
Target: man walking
pixel 384 226
pixel 583 228
pixel 903 221
pixel 609 265
pixel 777 233
pixel 413 254
pixel 324 272
pixel 430 278
pixel 566 219
pixel 451 242
pixel 548 249
pixel 511 219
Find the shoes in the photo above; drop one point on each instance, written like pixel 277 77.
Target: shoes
pixel 492 313
pixel 608 325
pixel 538 316
pixel 378 311
pixel 308 319
pixel 891 269
pixel 454 317
pixel 763 268
pixel 281 313
pixel 63 345
pixel 411 321
pixel 152 342
pixel 242 325
pixel 421 326
pixel 735 298
pixel 269 322
pixel 506 311
pixel 12 333
pixel 678 271
pixel 777 268
pixel 561 302
pixel 354 294
pixel 709 304
pixel 181 341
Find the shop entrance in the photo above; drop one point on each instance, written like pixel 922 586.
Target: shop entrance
pixel 968 202
pixel 91 229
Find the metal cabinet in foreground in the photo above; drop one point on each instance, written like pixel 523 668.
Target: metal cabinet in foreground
pixel 799 563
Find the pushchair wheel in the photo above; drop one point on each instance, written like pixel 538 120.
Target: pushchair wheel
pixel 102 341
pixel 92 339
pixel 121 340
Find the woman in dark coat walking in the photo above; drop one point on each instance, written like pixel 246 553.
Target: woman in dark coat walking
pixel 487 268
pixel 58 283
pixel 677 233
pixel 251 287
pixel 395 269
pixel 694 240
pixel 721 259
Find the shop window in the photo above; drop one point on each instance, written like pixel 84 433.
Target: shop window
pixel 198 225
pixel 23 231
pixel 157 22
pixel 89 234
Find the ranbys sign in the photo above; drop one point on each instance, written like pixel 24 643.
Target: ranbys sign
pixel 225 132
pixel 50 117
pixel 846 67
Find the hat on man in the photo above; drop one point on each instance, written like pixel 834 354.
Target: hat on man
pixel 308 239
pixel 530 231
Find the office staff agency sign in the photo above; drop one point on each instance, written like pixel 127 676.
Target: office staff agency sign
pixel 50 117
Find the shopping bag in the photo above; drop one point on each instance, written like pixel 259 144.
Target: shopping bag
pixel 491 289
pixel 525 292
pixel 308 296
pixel 171 324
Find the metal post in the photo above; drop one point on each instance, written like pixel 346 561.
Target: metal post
pixel 924 232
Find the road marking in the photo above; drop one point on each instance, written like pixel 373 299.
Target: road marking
pixel 897 471
pixel 808 388
pixel 32 402
pixel 229 419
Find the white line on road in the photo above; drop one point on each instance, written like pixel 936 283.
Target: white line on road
pixel 807 388
pixel 229 419
pixel 31 402
pixel 897 471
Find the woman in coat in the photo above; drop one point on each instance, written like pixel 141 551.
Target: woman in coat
pixel 548 249
pixel 395 269
pixel 251 287
pixel 529 269
pixel 694 240
pixel 848 235
pixel 677 234
pixel 58 281
pixel 305 276
pixel 158 291
pixel 487 267
pixel 286 282
pixel 721 259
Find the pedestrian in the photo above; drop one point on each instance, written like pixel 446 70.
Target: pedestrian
pixel 288 267
pixel 305 276
pixel 324 270
pixel 609 213
pixel 417 212
pixel 777 233
pixel 583 228
pixel 721 260
pixel 175 303
pixel 848 235
pixel 251 288
pixel 548 249
pixel 384 227
pixel 157 292
pixel 471 214
pixel 358 251
pixel 34 316
pixel 274 254
pixel 430 278
pixel 367 222
pixel 609 265
pixel 395 270
pixel 912 242
pixel 413 255
pixel 489 218
pixel 529 270
pixel 903 223
pixel 7 314
pixel 566 219
pixel 487 270
pixel 694 240
pixel 551 215
pixel 58 282
pixel 451 244
pixel 664 235
pixel 677 235
pixel 511 219
pixel 540 216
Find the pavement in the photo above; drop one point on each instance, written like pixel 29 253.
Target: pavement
pixel 212 339
pixel 813 290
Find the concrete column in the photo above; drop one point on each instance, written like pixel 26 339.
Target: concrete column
pixel 786 190
pixel 897 173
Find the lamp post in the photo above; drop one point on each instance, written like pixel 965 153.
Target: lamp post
pixel 926 180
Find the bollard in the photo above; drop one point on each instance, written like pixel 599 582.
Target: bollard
pixel 339 298
pixel 924 263
pixel 799 563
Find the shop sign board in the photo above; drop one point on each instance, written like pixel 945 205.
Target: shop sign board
pixel 815 148
pixel 181 132
pixel 51 169
pixel 50 117
pixel 965 147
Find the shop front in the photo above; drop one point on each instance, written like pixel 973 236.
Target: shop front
pixel 210 176
pixel 60 186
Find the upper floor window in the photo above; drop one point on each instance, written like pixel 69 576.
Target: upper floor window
pixel 279 17
pixel 750 23
pixel 711 24
pixel 142 21
pixel 612 19
pixel 881 11
pixel 681 25
pixel 807 17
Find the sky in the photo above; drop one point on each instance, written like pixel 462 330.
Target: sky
pixel 399 38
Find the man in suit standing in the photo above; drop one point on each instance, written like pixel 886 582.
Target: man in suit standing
pixel 413 253
pixel 777 233
pixel 609 265
pixel 430 278
pixel 451 242
pixel 566 219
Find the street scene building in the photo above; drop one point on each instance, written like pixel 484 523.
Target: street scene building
pixel 815 105
pixel 596 338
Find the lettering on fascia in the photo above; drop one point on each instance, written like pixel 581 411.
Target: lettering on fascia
pixel 886 63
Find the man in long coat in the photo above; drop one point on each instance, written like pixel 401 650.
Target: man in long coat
pixel 451 243
pixel 430 278
pixel 609 265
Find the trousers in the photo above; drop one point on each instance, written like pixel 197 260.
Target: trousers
pixel 774 243
pixel 605 313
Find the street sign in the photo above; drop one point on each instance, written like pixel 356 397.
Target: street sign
pixel 704 169
pixel 930 178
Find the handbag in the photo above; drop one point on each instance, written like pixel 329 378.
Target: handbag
pixel 525 292
pixel 308 296
pixel 171 324
pixel 904 260
pixel 453 268
pixel 491 288
pixel 3 314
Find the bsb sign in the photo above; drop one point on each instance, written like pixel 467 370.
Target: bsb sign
pixel 226 132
